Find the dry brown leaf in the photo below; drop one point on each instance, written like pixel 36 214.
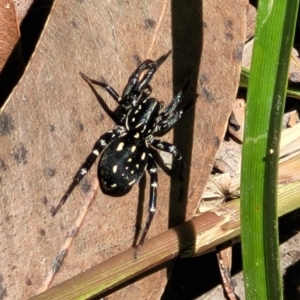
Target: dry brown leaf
pixel 9 30
pixel 52 119
pixel 224 256
pixel 251 21
pixel 21 8
pixel 217 191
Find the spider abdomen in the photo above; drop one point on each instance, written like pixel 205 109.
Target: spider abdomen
pixel 122 163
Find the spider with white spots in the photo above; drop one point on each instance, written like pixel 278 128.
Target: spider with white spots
pixel 124 151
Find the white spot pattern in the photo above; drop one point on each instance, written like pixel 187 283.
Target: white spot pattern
pixel 120 147
pixel 96 152
pixel 83 171
pixel 133 148
pixel 152 170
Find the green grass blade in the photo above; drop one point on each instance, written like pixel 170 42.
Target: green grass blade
pixel 274 36
pixel 293 89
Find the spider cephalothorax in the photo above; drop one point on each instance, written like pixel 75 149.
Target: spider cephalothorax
pixel 124 151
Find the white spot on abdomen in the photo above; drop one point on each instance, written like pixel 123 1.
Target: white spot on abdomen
pixel 131 182
pixel 120 147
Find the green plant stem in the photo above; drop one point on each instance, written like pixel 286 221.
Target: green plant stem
pixel 274 35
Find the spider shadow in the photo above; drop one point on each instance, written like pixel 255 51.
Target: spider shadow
pixel 103 104
pixel 187 31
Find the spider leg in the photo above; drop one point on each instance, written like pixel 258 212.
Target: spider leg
pixel 86 166
pixel 152 69
pixel 152 169
pixel 168 117
pixel 168 111
pixel 167 147
pixel 133 81
pixel 145 93
pixel 131 85
pixel 107 87
pixel 135 85
pixel 167 124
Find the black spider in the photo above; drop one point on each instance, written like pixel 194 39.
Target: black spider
pixel 126 152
